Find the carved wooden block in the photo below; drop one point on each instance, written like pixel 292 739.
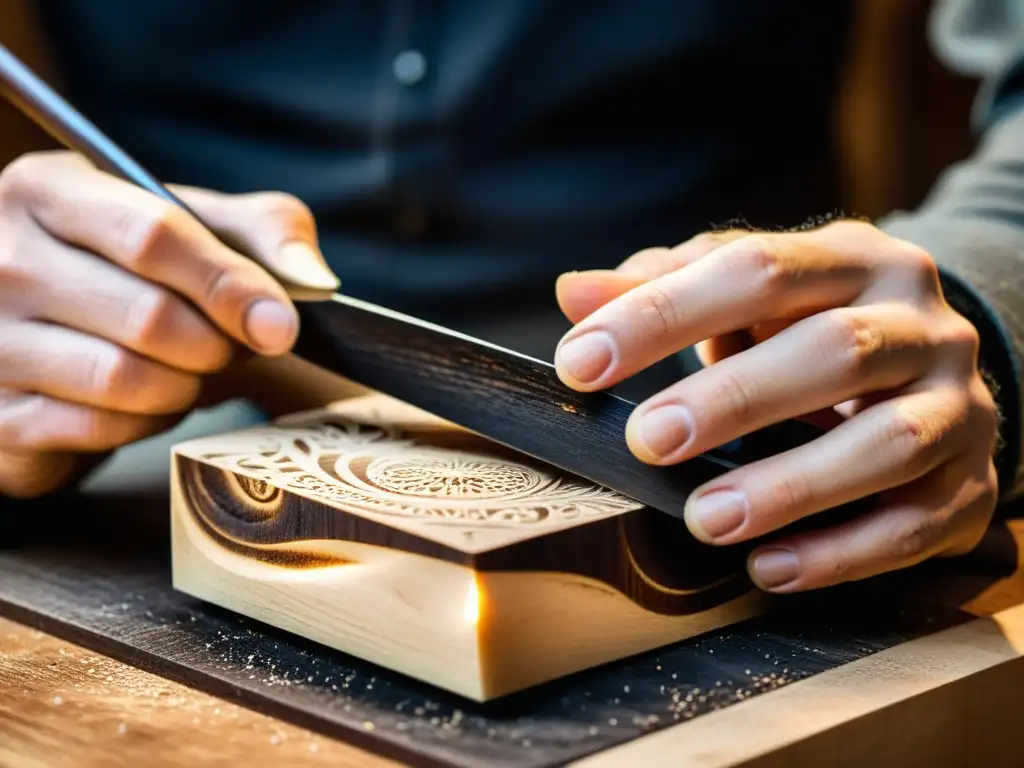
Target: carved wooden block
pixel 378 530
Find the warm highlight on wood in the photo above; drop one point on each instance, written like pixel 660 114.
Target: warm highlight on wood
pixel 63 705
pixel 378 530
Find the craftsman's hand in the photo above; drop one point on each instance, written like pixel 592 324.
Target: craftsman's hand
pixel 843 322
pixel 114 306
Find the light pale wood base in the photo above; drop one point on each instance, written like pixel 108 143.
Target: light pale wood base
pixel 481 635
pixel 418 604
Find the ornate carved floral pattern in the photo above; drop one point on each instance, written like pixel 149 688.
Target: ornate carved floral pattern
pixel 383 472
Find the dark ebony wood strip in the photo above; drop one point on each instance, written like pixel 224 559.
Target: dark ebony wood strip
pixel 512 399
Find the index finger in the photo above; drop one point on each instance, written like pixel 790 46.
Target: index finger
pixel 160 242
pixel 750 280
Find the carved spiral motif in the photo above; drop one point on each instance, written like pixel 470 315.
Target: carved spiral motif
pixel 453 477
pixel 257 490
pixel 261 499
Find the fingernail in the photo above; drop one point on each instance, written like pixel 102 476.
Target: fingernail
pixel 271 326
pixel 774 568
pixel 299 263
pixel 587 357
pixel 719 513
pixel 665 430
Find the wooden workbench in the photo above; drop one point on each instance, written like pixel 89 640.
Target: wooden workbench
pixel 951 694
pixel 62 705
pixel 950 698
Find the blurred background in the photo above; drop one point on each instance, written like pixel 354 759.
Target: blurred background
pixel 900 118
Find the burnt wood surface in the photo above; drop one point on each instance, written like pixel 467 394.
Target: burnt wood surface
pixel 650 557
pixel 97 573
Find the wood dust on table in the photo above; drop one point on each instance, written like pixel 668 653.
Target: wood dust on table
pixel 62 705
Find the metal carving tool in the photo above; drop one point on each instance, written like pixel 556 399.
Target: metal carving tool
pixel 509 398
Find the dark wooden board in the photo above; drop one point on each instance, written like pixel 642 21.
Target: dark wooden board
pixel 514 400
pixel 97 573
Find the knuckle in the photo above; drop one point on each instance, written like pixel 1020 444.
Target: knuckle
pixel 149 316
pixel 915 439
pixel 287 208
pixel 652 254
pixel 21 178
pixel 980 404
pixel 857 229
pixel 18 272
pixel 655 309
pixel 93 429
pixel 963 335
pixel 839 568
pixel 708 237
pixel 855 342
pixel 220 283
pixel 647 263
pixel 710 240
pixel 154 320
pixel 913 537
pixel 787 496
pixel 279 215
pixel 26 179
pixel 761 259
pixel 908 434
pixel 915 257
pixel 142 234
pixel 20 412
pixel 115 374
pixel 918 264
pixel 988 497
pixel 738 393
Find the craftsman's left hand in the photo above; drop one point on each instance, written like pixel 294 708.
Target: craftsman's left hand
pixel 842 321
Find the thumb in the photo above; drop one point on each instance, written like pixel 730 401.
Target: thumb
pixel 276 228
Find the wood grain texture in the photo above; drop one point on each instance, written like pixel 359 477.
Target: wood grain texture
pixel 424 549
pixel 63 705
pixel 123 605
pixel 514 400
pixel 94 570
pixel 951 699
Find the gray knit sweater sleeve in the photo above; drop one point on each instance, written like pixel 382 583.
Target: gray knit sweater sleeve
pixel 973 219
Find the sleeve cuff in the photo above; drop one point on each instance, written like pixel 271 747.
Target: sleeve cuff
pixel 1000 368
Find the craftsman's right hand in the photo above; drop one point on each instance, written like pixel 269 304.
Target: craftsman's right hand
pixel 115 305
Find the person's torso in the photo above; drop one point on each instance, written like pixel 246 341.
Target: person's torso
pixel 459 154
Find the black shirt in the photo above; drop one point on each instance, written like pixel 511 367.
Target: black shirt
pixel 460 154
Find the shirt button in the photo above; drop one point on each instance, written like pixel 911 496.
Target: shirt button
pixel 409 67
